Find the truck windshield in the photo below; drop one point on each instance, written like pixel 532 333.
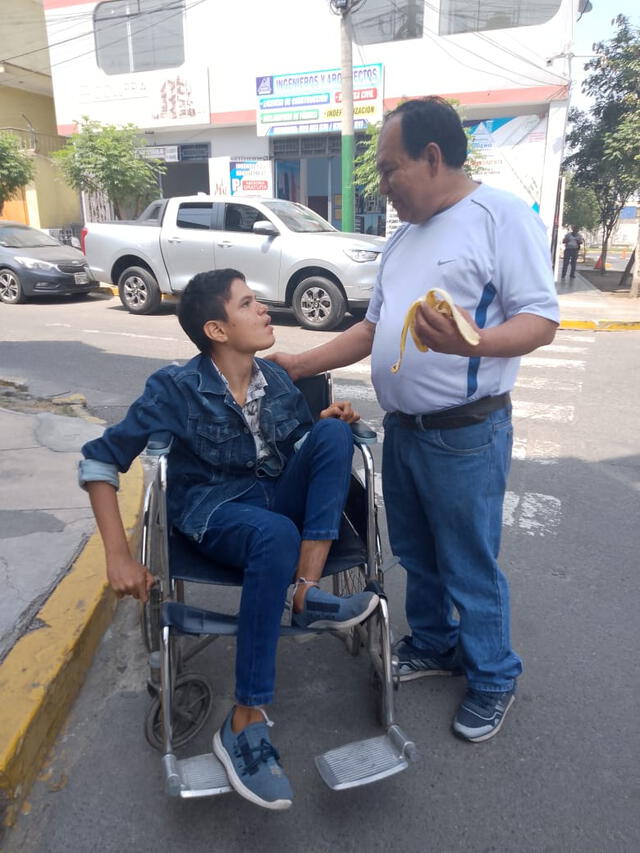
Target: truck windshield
pixel 297 217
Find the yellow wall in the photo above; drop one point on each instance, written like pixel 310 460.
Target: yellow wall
pixel 50 202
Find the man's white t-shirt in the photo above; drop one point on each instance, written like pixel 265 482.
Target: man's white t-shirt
pixel 490 252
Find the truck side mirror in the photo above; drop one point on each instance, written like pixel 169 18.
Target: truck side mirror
pixel 263 226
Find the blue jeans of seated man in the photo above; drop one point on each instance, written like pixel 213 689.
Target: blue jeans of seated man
pixel 443 494
pixel 262 531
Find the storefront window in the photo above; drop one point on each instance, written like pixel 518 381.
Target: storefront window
pixel 472 16
pixel 139 35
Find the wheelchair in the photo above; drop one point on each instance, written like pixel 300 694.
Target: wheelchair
pixel 175 631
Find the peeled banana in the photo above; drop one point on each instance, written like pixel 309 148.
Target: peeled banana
pixel 441 301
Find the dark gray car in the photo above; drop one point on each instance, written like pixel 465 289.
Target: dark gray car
pixel 34 264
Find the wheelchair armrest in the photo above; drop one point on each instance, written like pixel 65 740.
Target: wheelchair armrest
pixel 159 444
pixel 363 434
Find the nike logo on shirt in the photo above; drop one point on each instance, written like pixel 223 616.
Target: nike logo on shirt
pixel 448 261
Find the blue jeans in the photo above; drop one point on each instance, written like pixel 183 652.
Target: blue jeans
pixel 443 493
pixel 261 532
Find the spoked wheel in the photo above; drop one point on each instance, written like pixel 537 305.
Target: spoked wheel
pixel 348 583
pixel 192 703
pixel 318 303
pixel 11 291
pixel 376 677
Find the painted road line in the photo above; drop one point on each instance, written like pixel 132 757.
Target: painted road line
pixel 352 368
pixel 562 348
pixel 542 452
pixel 538 361
pixel 533 513
pixel 548 383
pixel 349 391
pixel 567 335
pixel 542 411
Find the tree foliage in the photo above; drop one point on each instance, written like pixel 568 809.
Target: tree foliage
pixel 604 143
pixel 16 167
pixel 106 159
pixel 580 206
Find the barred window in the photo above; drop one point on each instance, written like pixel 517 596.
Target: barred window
pixel 139 35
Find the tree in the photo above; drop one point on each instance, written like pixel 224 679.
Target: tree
pixel 580 206
pixel 106 158
pixel 604 142
pixel 16 167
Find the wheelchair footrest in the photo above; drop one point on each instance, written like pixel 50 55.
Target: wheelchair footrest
pixel 365 761
pixel 198 776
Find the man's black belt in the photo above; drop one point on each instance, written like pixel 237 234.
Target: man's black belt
pixel 459 416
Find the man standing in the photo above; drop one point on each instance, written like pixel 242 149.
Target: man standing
pixel 572 242
pixel 448 434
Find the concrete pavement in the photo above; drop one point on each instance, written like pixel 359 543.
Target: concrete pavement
pixel 56 604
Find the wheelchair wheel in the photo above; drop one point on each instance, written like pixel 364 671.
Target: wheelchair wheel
pixel 348 583
pixel 150 619
pixel 192 703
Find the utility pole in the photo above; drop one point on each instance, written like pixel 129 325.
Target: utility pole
pixel 344 9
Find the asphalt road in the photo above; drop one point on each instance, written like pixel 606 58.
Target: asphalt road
pixel 562 776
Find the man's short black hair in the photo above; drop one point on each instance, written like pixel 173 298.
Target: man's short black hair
pixel 203 299
pixel 425 120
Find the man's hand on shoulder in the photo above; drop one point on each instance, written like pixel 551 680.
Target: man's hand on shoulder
pixel 288 361
pixel 441 334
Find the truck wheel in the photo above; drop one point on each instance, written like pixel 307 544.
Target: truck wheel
pixel 139 291
pixel 318 303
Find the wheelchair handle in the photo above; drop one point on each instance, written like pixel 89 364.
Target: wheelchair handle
pixel 159 443
pixel 362 433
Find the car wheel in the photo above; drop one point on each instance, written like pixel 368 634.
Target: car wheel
pixel 139 291
pixel 11 290
pixel 318 303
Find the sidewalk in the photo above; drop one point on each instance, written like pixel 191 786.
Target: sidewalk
pixel 55 604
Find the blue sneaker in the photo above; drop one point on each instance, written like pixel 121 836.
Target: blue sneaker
pixel 416 663
pixel 482 713
pixel 324 610
pixel 253 764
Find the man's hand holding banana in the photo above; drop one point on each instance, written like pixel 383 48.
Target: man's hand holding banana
pixel 436 323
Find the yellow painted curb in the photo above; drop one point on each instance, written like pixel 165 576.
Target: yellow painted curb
pixel 171 298
pixel 42 674
pixel 600 325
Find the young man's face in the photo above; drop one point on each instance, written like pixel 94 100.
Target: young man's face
pixel 410 185
pixel 248 326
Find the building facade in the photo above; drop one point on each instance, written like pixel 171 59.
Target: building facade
pixel 245 97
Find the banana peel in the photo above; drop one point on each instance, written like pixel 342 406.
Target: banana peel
pixel 442 302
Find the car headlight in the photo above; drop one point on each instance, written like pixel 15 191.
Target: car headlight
pixel 35 264
pixel 361 256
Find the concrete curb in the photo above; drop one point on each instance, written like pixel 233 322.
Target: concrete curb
pixel 42 674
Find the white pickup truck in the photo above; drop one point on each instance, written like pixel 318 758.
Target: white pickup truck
pixel 291 256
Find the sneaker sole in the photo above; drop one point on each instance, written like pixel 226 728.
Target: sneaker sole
pixel 349 623
pixel 425 673
pixel 490 734
pixel 238 786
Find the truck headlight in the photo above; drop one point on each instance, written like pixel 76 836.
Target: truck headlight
pixel 35 264
pixel 361 256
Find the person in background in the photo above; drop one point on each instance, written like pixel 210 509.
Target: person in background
pixel 572 243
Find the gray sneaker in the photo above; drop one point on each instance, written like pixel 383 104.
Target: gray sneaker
pixel 481 714
pixel 253 764
pixel 324 610
pixel 417 663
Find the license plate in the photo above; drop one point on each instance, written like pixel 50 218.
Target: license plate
pixel 81 278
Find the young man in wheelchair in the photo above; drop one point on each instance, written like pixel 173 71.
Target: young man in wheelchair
pixel 254 484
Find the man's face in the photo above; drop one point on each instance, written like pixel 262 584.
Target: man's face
pixel 409 184
pixel 248 326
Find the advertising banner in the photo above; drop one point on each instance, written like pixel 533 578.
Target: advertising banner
pixel 241 176
pixel 311 101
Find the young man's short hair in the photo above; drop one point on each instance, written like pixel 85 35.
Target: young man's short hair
pixel 425 120
pixel 203 299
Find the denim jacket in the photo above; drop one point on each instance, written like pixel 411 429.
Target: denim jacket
pixel 213 455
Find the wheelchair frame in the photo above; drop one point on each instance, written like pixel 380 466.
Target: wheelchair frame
pixel 166 618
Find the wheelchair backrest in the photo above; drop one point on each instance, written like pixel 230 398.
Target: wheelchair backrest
pixel 317 391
